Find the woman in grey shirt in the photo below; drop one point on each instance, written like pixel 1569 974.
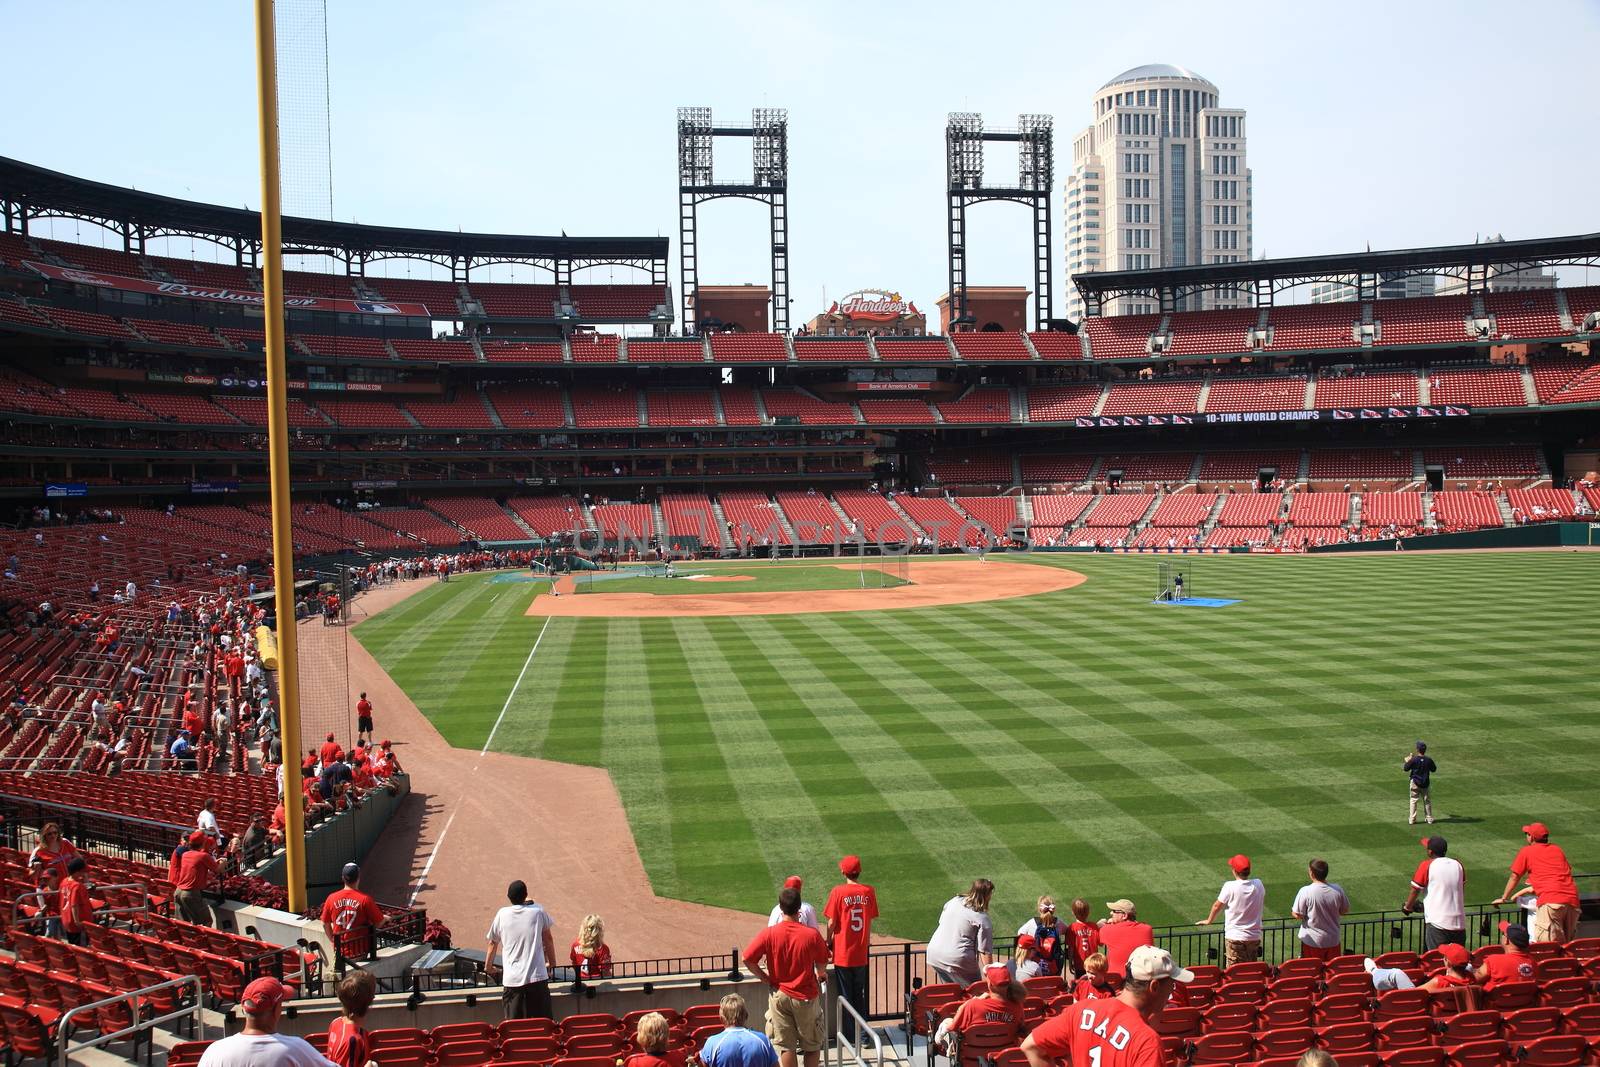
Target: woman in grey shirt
pixel 964 942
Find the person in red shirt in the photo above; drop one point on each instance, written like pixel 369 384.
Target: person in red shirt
pixel 796 960
pixel 1001 1002
pixel 1550 881
pixel 279 823
pixel 1097 983
pixel 329 752
pixel 192 721
pixel 590 955
pixel 76 909
pixel 1083 937
pixel 652 1035
pixel 53 849
pixel 348 1044
pixel 1114 1032
pixel 1122 933
pixel 391 762
pixel 1457 975
pixel 1512 965
pixel 193 868
pixel 848 916
pixel 349 917
pixel 364 719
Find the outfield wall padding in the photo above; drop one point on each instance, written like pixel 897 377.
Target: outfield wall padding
pixel 1538 535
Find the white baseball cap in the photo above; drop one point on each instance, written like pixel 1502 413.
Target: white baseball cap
pixel 1148 963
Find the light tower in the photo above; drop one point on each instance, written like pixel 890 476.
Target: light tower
pixel 964 138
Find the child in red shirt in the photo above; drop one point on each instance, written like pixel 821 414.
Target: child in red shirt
pixel 652 1037
pixel 1083 937
pixel 348 1045
pixel 1097 982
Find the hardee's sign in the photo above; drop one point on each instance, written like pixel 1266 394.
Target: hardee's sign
pixel 873 305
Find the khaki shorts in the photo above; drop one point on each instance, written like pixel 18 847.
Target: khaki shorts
pixel 795 1025
pixel 1555 922
pixel 1240 952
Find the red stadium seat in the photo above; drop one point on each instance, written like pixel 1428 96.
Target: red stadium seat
pixel 1285 1041
pixel 1559 1050
pixel 1477 1054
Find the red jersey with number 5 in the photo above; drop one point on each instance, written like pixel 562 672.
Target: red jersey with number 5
pixel 1100 1033
pixel 850 910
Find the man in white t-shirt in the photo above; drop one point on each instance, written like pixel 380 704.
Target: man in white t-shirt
pixel 1244 897
pixel 808 914
pixel 1318 906
pixel 259 1044
pixel 1444 914
pixel 522 933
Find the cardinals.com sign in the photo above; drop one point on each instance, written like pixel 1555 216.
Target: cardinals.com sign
pixel 873 305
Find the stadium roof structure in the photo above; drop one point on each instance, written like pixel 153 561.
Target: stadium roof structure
pixel 1476 263
pixel 30 192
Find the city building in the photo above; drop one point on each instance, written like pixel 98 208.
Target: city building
pixel 1507 280
pixel 1389 288
pixel 1159 179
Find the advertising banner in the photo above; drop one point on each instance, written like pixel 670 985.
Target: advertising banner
pixel 221 294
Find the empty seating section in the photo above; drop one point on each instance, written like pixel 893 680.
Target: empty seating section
pixel 523 351
pixel 754 518
pixel 1582 302
pixel 971 468
pixel 1050 469
pixel 610 408
pixel 549 515
pixel 1552 503
pixel 252 410
pixel 680 407
pixel 997 513
pixel 630 522
pixel 666 351
pixel 1119 336
pixel 595 348
pixel 1211 332
pixel 1250 510
pixel 184 407
pixel 691 522
pixel 466 411
pixel 1319 509
pixel 1059 403
pixel 1566 380
pixel 1053 512
pixel 812 517
pixel 1247 466
pixel 1469 509
pixel 1053 344
pixel 873 517
pixel 1391 509
pixel 982 404
pixel 1231 536
pixel 103 260
pixel 940 520
pixel 1183 509
pixel 1488 387
pixel 102 404
pixel 435 351
pixel 529 407
pixel 895 412
pixel 739 405
pixel 1304 326
pixel 90 323
pixel 1373 388
pixel 1484 461
pixel 338 345
pixel 1424 321
pixel 1153 398
pixel 423 526
pixel 1257 394
pixel 199 272
pixel 913 350
pixel 1524 314
pixel 1359 463
pixel 20 314
pixel 631 302
pixel 831 349
pixel 348 412
pixel 440 298
pixel 1119 509
pixel 748 348
pixel 341 527
pixel 995 345
pixel 313 283
pixel 479 516
pixel 1171 467
pixel 786 403
pixel 508 300
pixel 186 334
pixel 243 340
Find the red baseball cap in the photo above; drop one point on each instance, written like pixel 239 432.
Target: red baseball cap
pixel 1536 829
pixel 850 866
pixel 997 974
pixel 1455 955
pixel 330 737
pixel 1027 941
pixel 792 882
pixel 262 996
pixel 197 838
pixel 385 743
pixel 1239 863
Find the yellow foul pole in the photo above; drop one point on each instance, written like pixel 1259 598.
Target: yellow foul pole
pixel 278 451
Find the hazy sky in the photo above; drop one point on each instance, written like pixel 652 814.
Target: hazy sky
pixel 1394 124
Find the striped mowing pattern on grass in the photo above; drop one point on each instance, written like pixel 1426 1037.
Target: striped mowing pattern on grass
pixel 1082 743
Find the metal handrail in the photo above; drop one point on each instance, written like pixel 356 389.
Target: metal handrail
pixel 195 1011
pixel 843 1046
pixel 16 904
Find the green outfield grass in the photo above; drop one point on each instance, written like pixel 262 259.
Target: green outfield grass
pixel 762 578
pixel 1083 742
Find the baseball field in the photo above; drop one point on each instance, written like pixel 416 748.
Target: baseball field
pixel 1084 742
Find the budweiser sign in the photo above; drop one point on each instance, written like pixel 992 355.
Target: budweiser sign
pixel 873 305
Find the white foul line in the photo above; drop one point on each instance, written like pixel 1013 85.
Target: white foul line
pixel 426 867
pixel 514 685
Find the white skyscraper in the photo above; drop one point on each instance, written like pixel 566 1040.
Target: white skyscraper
pixel 1159 180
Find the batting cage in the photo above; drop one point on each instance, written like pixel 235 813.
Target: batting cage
pixel 1176 580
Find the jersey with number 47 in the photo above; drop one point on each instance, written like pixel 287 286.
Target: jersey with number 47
pixel 1100 1033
